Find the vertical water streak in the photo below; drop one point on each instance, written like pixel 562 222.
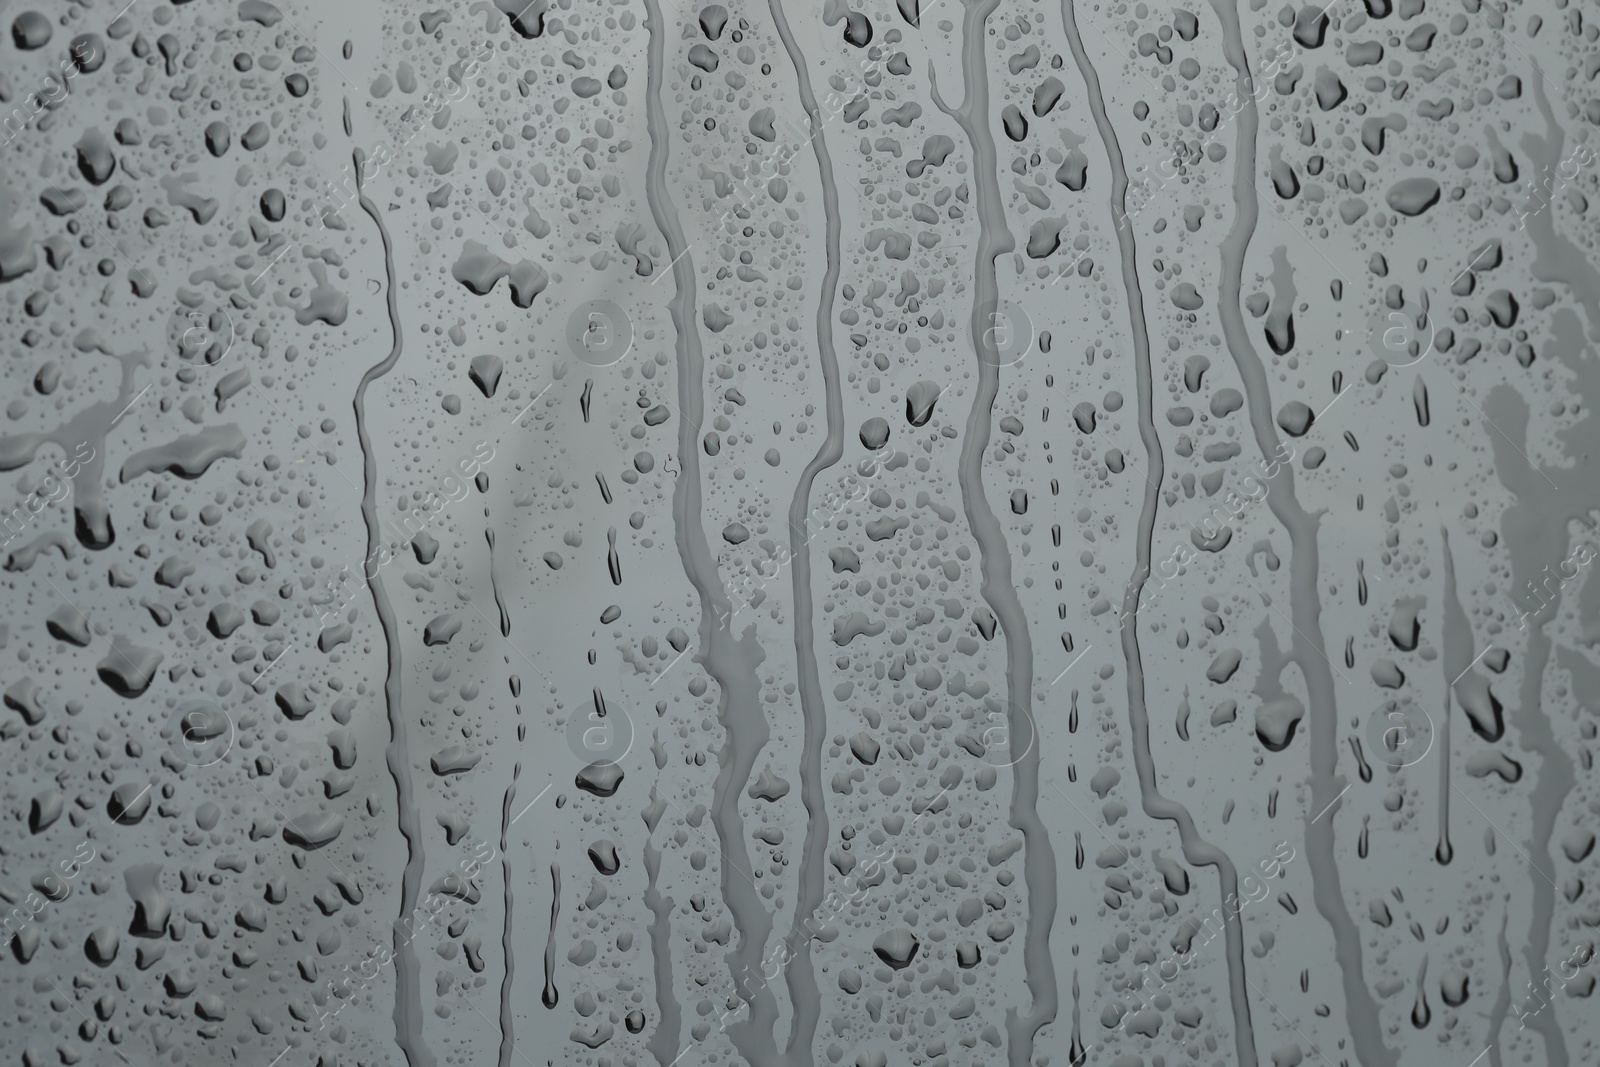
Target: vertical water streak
pixel 994 240
pixel 1456 658
pixel 407 986
pixel 1502 1000
pixel 1421 1013
pixel 1305 605
pixel 731 663
pixel 1195 848
pixel 1535 533
pixel 551 996
pixel 507 1021
pixel 1077 1055
pixel 494 586
pixel 1552 782
pixel 799 975
pixel 663 1043
pixel 1557 259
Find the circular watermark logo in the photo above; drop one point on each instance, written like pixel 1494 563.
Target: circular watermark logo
pixel 1006 338
pixel 202 335
pixel 1005 737
pixel 602 734
pixel 1399 733
pixel 200 734
pixel 599 333
pixel 1400 337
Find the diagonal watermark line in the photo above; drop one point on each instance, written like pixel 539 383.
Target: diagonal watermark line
pixel 132 402
pixel 1073 664
pixel 74 1005
pixel 681 415
pixel 1292 227
pixel 668 667
pixel 75 607
pixel 930 805
pixel 1130 462
pixel 130 804
pixel 286 1048
pixel 531 803
pixel 467 201
pixel 1536 68
pixel 530 404
pixel 524 10
pixel 1471 665
pixel 1329 8
pixel 287 244
pixel 1334 801
pixel 669 266
pixel 123 12
pixel 1488 246
pixel 269 666
pixel 1336 398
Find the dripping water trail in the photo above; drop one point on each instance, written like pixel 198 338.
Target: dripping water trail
pixel 507 1022
pixel 799 975
pixel 1421 1014
pixel 1195 848
pixel 1502 1000
pixel 494 585
pixel 1456 658
pixel 1536 531
pixel 1077 1055
pixel 407 990
pixel 549 996
pixel 731 663
pixel 1557 259
pixel 508 979
pixel 994 240
pixel 663 1043
pixel 1551 786
pixel 1305 606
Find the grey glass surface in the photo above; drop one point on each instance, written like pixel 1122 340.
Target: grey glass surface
pixel 918 533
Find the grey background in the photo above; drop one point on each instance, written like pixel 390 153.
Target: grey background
pixel 1022 685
